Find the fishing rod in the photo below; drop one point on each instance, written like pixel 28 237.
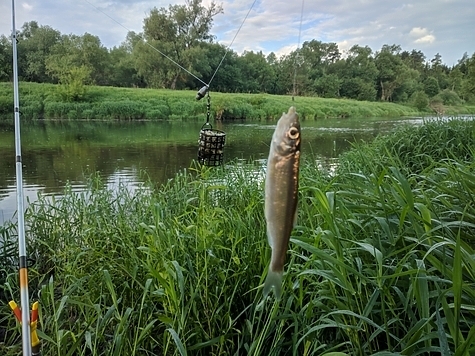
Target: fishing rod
pixel 30 341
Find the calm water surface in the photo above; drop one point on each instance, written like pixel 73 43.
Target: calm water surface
pixel 57 152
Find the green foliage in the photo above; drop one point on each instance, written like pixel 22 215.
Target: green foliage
pixel 177 32
pixel 358 89
pixel 420 100
pixel 449 97
pixel 393 72
pixel 107 103
pixel 380 262
pixel 431 86
pixel 328 86
pixel 183 33
pixel 36 44
pixel 6 105
pixel 414 149
pixel 34 110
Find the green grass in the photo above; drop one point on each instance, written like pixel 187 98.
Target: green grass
pixel 381 261
pixel 108 103
pixel 414 149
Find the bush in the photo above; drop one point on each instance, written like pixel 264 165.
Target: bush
pixel 420 100
pixel 448 97
pixel 431 86
pixel 88 114
pixel 57 110
pixel 6 105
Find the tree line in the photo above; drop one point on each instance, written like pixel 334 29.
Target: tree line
pixel 183 33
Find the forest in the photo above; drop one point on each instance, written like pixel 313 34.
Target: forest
pixel 184 34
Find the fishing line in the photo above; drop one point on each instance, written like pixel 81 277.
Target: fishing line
pixel 167 57
pixel 227 49
pixel 296 53
pixel 148 44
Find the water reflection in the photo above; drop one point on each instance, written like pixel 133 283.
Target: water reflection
pixel 57 152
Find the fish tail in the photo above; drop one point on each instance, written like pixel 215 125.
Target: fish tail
pixel 273 280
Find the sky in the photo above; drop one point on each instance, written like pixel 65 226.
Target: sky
pixel 446 27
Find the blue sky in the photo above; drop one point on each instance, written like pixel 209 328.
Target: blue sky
pixel 432 26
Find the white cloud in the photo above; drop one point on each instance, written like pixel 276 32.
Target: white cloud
pixel 285 50
pixel 273 25
pixel 425 39
pixel 27 6
pixel 344 47
pixel 418 32
pixel 421 35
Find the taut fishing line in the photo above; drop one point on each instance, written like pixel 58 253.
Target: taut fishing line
pixel 170 59
pixel 148 44
pixel 227 49
pixel 296 53
pixel 211 142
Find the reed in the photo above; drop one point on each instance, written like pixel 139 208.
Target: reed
pixel 380 262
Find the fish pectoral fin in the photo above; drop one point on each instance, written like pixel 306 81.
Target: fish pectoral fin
pixel 273 280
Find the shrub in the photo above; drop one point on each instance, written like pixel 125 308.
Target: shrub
pixel 431 86
pixel 448 97
pixel 420 100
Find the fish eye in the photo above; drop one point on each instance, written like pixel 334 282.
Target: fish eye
pixel 293 133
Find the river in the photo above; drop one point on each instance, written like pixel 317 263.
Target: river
pixel 57 152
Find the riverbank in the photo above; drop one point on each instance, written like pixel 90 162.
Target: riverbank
pixel 109 103
pixel 380 262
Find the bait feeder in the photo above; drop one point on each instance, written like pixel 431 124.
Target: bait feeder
pixel 211 142
pixel 211 145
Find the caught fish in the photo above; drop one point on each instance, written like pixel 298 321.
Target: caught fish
pixel 281 193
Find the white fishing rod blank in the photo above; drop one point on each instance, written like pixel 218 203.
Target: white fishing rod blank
pixel 25 303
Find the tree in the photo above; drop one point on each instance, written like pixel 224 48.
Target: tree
pixel 328 86
pixel 468 84
pixel 455 79
pixel 120 64
pixel 80 51
pixel 121 70
pixel 357 88
pixel 35 44
pixel 6 59
pixel 440 71
pixel 393 72
pixel 316 57
pixel 283 72
pixel 358 74
pixel 414 59
pixel 176 32
pixel 258 72
pixel 71 77
pixel 76 61
pixel 420 100
pixel 91 53
pixel 431 86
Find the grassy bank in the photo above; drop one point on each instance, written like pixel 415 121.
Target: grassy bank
pixel 108 103
pixel 380 263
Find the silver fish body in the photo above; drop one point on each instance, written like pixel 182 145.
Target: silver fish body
pixel 281 194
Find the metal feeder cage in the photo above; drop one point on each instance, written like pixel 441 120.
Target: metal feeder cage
pixel 211 145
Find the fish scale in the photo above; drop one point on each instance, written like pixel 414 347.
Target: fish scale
pixel 281 195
